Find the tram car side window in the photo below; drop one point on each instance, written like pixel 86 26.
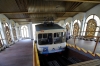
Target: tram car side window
pixel 58 37
pixel 63 36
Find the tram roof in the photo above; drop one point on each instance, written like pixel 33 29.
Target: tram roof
pixel 40 27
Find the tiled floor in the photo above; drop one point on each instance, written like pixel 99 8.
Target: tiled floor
pixel 19 54
pixel 87 45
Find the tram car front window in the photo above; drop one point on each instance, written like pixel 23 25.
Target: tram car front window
pixel 44 39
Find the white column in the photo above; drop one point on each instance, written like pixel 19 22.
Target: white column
pixel 31 30
pixel 11 32
pixel 71 28
pixel 83 24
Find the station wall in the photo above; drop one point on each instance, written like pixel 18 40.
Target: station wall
pixel 82 18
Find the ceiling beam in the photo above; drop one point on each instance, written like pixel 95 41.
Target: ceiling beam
pixel 30 21
pixel 22 21
pixel 34 18
pixel 89 1
pixel 19 18
pixel 39 12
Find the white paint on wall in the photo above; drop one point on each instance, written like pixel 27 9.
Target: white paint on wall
pixel 95 11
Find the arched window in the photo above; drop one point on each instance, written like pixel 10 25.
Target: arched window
pixel 18 32
pixel 76 27
pixel 1 35
pixel 91 26
pixel 14 33
pixel 24 31
pixel 7 32
pixel 67 26
pixel 1 40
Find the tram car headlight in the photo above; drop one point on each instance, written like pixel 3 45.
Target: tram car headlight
pixel 45 49
pixel 61 48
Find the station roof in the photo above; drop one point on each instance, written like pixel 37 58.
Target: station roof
pixel 37 11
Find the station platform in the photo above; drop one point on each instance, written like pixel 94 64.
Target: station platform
pixel 18 54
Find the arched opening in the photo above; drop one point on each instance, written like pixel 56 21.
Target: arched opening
pixel 24 31
pixel 7 32
pixel 14 32
pixel 18 32
pixel 67 27
pixel 67 31
pixel 91 26
pixel 1 40
pixel 76 27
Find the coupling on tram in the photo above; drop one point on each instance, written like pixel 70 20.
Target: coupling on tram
pixel 50 38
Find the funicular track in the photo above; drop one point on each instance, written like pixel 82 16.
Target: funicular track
pixel 56 59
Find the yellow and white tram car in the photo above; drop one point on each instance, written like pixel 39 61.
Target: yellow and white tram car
pixel 50 38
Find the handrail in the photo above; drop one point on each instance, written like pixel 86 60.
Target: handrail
pixel 98 54
pixel 93 54
pixel 74 46
pixel 67 44
pixel 95 45
pixel 36 58
pixel 83 50
pixel 78 48
pixel 74 42
pixel 89 36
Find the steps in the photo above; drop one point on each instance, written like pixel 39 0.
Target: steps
pixel 83 50
pixel 95 62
